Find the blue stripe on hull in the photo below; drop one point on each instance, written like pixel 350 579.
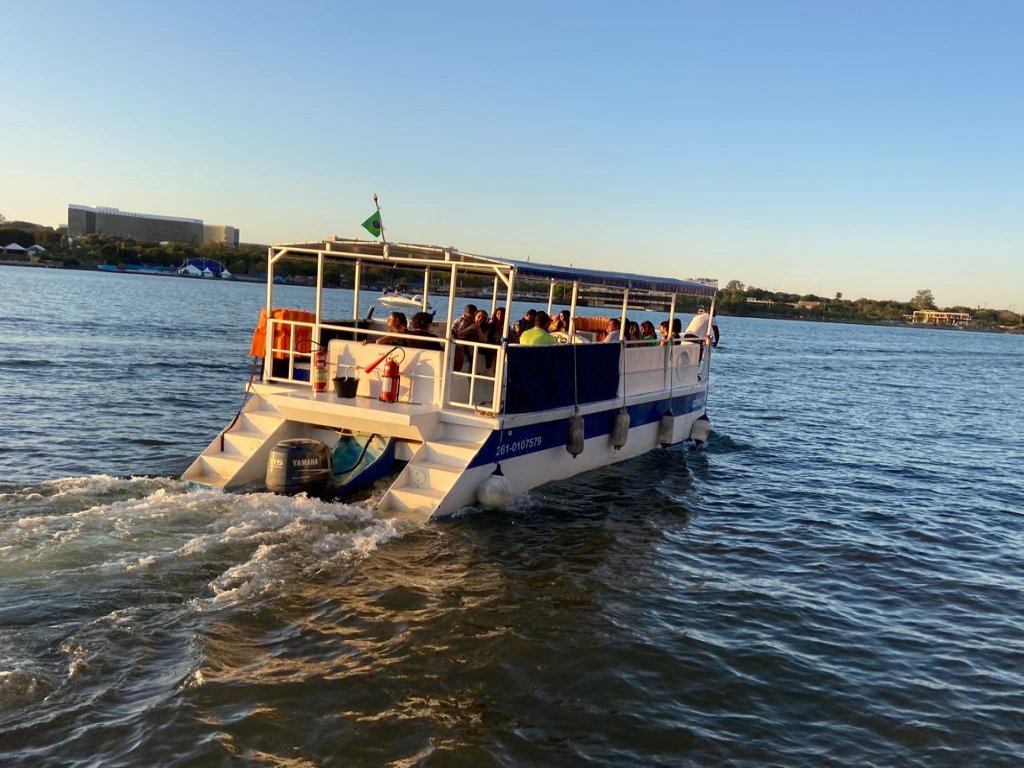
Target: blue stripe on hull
pixel 541 436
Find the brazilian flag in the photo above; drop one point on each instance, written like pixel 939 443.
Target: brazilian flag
pixel 373 225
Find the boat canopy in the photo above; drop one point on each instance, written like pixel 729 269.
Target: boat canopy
pixel 412 255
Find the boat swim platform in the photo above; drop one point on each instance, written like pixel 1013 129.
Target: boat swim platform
pixel 409 421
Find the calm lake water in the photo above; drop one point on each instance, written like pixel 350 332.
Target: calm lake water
pixel 837 580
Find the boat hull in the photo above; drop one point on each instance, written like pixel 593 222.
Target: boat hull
pixel 535 454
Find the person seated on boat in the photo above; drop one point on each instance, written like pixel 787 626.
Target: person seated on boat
pixel 482 323
pixel 464 328
pixel 538 335
pixel 666 336
pixel 494 335
pixel 561 322
pixel 476 330
pixel 398 327
pixel 420 326
pixel 612 331
pixel 633 331
pixel 465 320
pixel 648 333
pixel 524 324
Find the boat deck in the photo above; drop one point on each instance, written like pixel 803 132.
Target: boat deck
pixel 413 421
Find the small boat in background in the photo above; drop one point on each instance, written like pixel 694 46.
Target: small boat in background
pixel 403 300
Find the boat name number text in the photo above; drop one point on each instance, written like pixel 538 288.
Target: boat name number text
pixel 518 445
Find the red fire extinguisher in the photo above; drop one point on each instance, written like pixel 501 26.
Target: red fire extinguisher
pixel 320 370
pixel 390 377
pixel 389 382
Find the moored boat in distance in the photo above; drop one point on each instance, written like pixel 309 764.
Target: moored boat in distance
pixel 510 417
pixel 404 300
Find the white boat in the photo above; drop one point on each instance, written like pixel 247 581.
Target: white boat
pixel 404 300
pixel 503 425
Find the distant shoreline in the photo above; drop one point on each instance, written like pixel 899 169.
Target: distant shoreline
pixel 250 279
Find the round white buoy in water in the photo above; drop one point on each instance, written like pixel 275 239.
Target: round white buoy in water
pixel 700 430
pixel 495 492
pixel 620 429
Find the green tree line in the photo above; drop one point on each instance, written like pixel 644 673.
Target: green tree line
pixel 250 260
pixel 735 299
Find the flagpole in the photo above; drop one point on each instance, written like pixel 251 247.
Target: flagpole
pixel 383 237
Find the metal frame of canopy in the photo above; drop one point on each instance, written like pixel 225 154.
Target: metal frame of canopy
pixel 453 261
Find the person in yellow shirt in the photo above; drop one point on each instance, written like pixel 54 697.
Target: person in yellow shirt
pixel 539 333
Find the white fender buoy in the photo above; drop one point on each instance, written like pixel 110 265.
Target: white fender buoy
pixel 620 429
pixel 666 429
pixel 701 429
pixel 495 492
pixel 574 444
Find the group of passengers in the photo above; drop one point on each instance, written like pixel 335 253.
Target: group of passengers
pixel 404 333
pixel 536 327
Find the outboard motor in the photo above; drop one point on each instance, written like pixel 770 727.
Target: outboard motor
pixel 300 465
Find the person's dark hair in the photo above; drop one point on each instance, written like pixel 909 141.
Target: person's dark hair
pixel 421 321
pixel 469 310
pixel 677 325
pixel 615 322
pixel 541 320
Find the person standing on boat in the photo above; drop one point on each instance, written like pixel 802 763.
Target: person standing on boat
pixel 700 328
pixel 538 335
pixel 697 330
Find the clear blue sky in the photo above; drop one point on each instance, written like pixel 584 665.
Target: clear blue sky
pixel 871 148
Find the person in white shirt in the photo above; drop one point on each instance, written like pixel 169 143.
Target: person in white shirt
pixel 697 330
pixel 612 331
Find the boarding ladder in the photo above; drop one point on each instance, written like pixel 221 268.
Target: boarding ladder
pixel 238 456
pixel 434 480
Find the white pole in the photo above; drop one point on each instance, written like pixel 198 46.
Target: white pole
pixel 668 345
pixel 268 360
pixel 449 346
pixel 499 366
pixel 551 296
pixel 494 297
pixel 319 286
pixel 355 290
pixel 622 320
pixel 426 288
pixel 572 311
pixel 383 238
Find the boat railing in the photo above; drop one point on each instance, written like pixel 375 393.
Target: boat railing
pixel 475 389
pixel 291 349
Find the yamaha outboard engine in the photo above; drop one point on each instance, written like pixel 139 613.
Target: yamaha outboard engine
pixel 301 465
